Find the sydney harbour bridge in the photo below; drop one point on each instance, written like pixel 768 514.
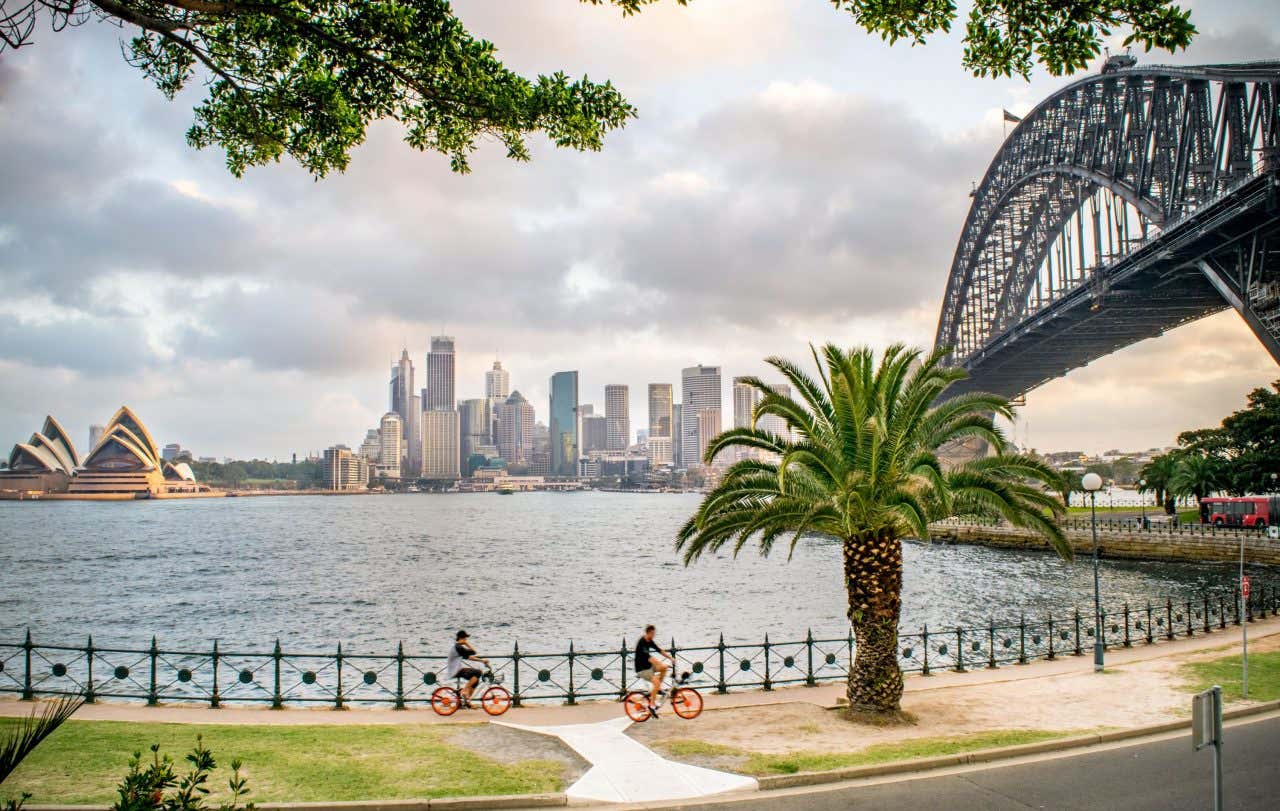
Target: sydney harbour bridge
pixel 1124 205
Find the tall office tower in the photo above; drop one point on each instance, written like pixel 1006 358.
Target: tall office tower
pixel 414 453
pixel 440 375
pixel 617 411
pixel 564 428
pixel 440 437
pixel 473 426
pixel 391 439
pixel 402 398
pixel 497 388
pixel 95 433
pixel 745 400
pixel 658 450
pixel 586 410
pixel 595 433
pixel 708 427
pixel 371 448
pixel 700 391
pixel 677 446
pixel 773 423
pixel 515 429
pixel 660 402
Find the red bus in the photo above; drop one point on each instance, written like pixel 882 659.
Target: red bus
pixel 1257 512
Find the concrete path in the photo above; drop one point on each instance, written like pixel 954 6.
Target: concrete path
pixel 624 770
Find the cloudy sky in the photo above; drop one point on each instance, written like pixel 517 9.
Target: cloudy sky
pixel 790 179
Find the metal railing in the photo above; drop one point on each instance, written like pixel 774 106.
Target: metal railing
pixel 219 676
pixel 1107 524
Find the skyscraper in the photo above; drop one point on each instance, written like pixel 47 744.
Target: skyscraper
pixel 660 402
pixel 402 398
pixel 473 425
pixel 515 429
pixel 391 439
pixel 677 433
pixel 564 428
pixel 440 375
pixel 745 400
pixel 440 457
pixel 708 428
pixel 699 392
pixel 617 412
pixel 371 448
pixel 497 387
pixel 595 433
pixel 414 453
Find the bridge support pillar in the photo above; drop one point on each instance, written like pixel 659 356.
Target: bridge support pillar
pixel 1238 299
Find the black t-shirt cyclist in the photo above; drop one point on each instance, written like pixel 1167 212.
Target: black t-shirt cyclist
pixel 643 648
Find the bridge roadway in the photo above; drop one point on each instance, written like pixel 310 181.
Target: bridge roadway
pixel 1156 288
pixel 1160 774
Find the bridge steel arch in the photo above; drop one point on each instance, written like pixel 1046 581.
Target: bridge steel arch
pixel 1125 204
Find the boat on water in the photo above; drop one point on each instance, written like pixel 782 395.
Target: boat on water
pixel 505 491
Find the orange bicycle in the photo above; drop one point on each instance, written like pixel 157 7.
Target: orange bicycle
pixel 686 702
pixel 494 699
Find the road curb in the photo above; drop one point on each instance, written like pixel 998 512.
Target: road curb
pixel 781 781
pixel 549 800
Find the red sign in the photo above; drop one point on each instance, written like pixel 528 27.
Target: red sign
pixel 1244 586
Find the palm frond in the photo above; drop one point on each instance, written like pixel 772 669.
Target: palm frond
pixel 28 734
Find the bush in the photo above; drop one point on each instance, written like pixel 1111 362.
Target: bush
pixel 157 787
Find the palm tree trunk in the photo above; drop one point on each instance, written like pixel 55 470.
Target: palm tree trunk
pixel 873 578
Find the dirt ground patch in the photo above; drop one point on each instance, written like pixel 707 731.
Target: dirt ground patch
pixel 507 745
pixel 1130 695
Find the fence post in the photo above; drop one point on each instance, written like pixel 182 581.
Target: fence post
pixel 808 641
pixel 1190 628
pixel 721 687
pixel 959 650
pixel 400 676
pixel 88 655
pixel 1022 638
pixel 515 668
pixel 768 682
pixel 1077 613
pixel 924 644
pixel 277 700
pixel 1127 642
pixel 152 698
pixel 1222 612
pixel 572 698
pixel 1052 656
pixel 1150 637
pixel 27 693
pixel 1207 625
pixel 1168 618
pixel 338 701
pixel 215 700
pixel 1102 617
pixel 1248 609
pixel 991 643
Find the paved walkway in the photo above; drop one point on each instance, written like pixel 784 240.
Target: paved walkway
pixel 825 694
pixel 624 770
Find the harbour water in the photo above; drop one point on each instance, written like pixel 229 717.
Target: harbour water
pixel 540 568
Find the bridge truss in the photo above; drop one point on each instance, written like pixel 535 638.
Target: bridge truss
pixel 1126 204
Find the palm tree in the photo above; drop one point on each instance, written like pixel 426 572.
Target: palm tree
pixel 1069 482
pixel 1157 474
pixel 863 469
pixel 1197 474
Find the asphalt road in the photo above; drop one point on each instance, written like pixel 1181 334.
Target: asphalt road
pixel 1165 775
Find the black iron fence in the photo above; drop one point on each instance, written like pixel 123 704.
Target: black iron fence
pixel 1129 524
pixel 219 676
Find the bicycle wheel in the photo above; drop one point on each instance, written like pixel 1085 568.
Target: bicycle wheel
pixel 496 700
pixel 637 706
pixel 445 701
pixel 686 703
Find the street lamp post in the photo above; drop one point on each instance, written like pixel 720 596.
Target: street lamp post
pixel 1142 500
pixel 1092 483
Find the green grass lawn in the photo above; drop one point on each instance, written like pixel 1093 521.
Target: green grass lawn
pixel 83 761
pixel 1264 676
pixel 761 765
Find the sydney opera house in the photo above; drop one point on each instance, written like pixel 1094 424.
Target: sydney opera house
pixel 124 464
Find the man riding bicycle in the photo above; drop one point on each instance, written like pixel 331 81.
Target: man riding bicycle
pixel 456 666
pixel 652 663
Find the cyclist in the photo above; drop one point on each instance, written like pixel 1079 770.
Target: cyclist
pixel 652 663
pixel 456 667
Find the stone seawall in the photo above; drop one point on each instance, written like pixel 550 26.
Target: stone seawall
pixel 1132 544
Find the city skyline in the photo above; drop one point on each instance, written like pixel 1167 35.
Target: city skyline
pixel 730 221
